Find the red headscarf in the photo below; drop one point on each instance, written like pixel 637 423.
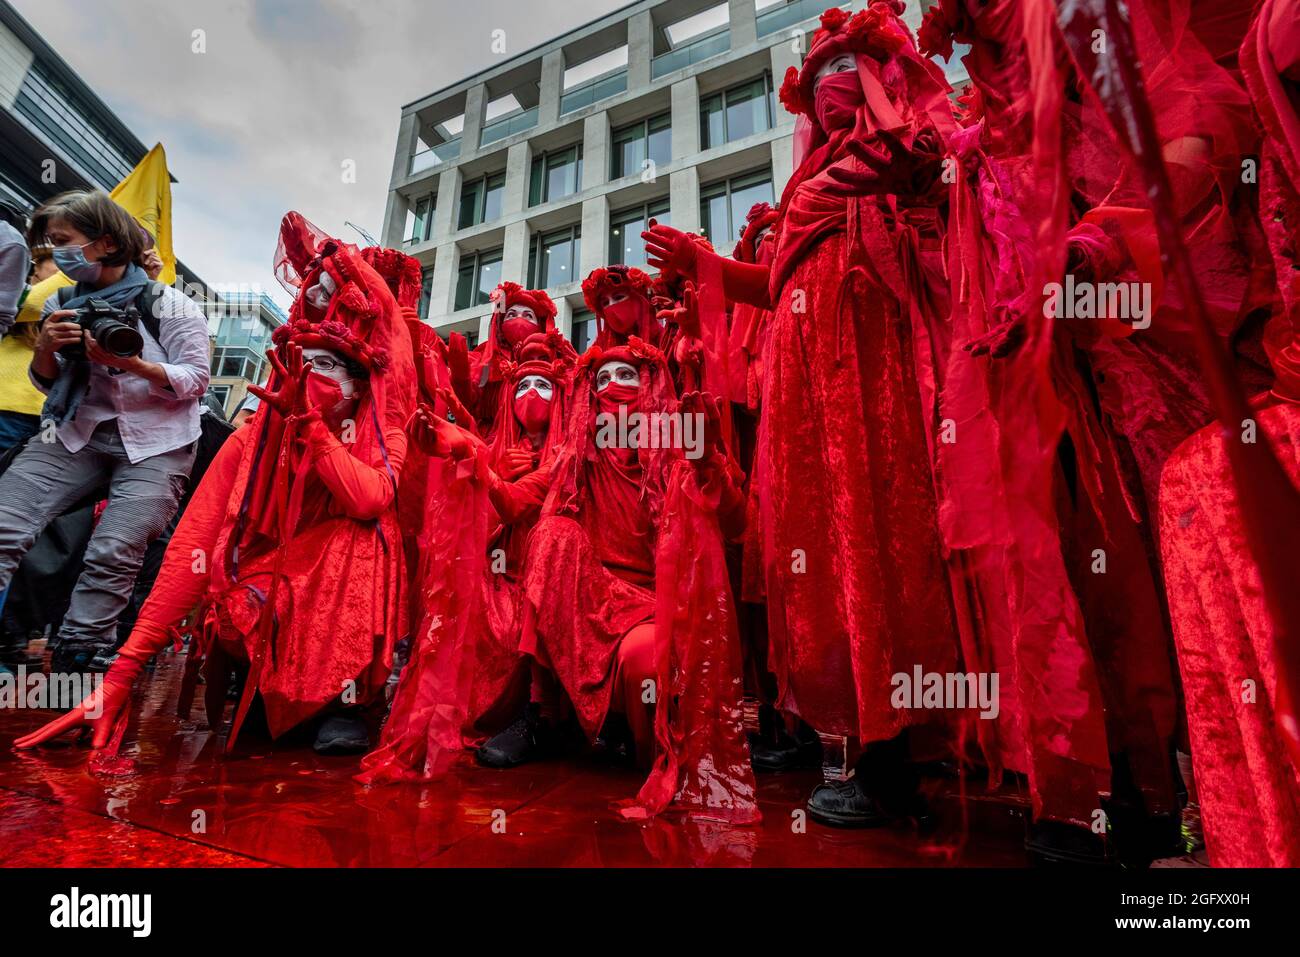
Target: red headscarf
pixel 619 278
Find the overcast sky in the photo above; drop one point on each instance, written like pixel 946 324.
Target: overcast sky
pixel 287 91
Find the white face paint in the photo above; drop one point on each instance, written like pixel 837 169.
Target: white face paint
pixel 521 312
pixel 615 370
pixel 322 292
pixel 332 366
pixel 610 298
pixel 540 383
pixel 838 64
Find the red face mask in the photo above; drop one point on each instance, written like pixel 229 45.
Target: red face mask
pixel 517 329
pixel 625 317
pixel 533 411
pixel 327 395
pixel 616 395
pixel 837 100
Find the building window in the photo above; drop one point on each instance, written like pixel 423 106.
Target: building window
pixel 555 175
pixel 479 274
pixel 426 293
pixel 480 200
pixel 625 228
pixel 584 330
pixel 419 220
pixel 237 363
pixel 736 113
pixel 649 141
pixel 723 206
pixel 554 257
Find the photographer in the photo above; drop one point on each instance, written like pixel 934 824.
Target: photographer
pixel 126 421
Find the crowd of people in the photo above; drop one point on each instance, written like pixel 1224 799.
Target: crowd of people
pixel 903 468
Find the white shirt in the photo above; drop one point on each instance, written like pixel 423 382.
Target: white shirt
pixel 151 419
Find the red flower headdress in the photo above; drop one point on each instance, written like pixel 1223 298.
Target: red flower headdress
pixel 875 31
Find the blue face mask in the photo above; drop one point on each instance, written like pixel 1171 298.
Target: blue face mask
pixel 72 261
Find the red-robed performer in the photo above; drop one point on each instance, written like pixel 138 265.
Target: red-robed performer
pixel 855 577
pixel 627 599
pixel 1247 783
pixel 467 675
pixel 517 314
pixel 1121 391
pixel 290 546
pixel 622 300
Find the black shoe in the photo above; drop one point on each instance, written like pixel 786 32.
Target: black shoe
pixel 523 741
pixel 102 661
pixel 1053 842
pixel 77 657
pixel 786 753
pixel 845 804
pixel 342 734
pixel 615 744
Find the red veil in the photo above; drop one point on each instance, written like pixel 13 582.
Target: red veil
pixel 305 578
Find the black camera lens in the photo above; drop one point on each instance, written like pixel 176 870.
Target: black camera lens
pixel 118 338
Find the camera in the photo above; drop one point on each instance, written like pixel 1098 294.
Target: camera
pixel 116 330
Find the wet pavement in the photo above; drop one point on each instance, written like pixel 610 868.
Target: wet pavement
pixel 283 805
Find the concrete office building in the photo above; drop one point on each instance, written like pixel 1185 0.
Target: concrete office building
pixel 547 165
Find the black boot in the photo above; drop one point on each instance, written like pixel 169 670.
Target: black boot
pixel 782 751
pixel 884 789
pixel 525 740
pixel 80 657
pixel 342 734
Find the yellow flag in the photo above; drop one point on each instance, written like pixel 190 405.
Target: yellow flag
pixel 146 194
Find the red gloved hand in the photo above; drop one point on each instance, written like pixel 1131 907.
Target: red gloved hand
pixel 458 359
pixel 686 315
pixel 514 464
pixel 99 710
pixel 1004 338
pixel 707 406
pixel 289 397
pixel 669 250
pixel 436 436
pixel 456 409
pixel 890 167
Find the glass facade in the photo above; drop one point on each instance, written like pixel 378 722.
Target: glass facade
pixel 584 330
pixel 480 200
pixel 63 117
pixel 625 228
pixel 478 275
pixel 554 257
pixel 647 141
pixel 555 175
pixel 419 220
pixel 736 113
pixel 723 207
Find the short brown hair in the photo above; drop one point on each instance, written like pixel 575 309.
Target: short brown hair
pixel 95 215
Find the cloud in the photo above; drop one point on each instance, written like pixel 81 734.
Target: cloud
pixel 287 92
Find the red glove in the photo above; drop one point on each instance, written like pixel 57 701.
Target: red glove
pixel 456 409
pixel 100 710
pixel 458 360
pixel 685 316
pixel 514 464
pixel 669 250
pixel 436 436
pixel 706 405
pixel 891 167
pixel 289 397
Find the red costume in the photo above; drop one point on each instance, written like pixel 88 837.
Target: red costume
pixel 290 545
pixel 478 374
pixel 1248 784
pixel 466 659
pixel 630 536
